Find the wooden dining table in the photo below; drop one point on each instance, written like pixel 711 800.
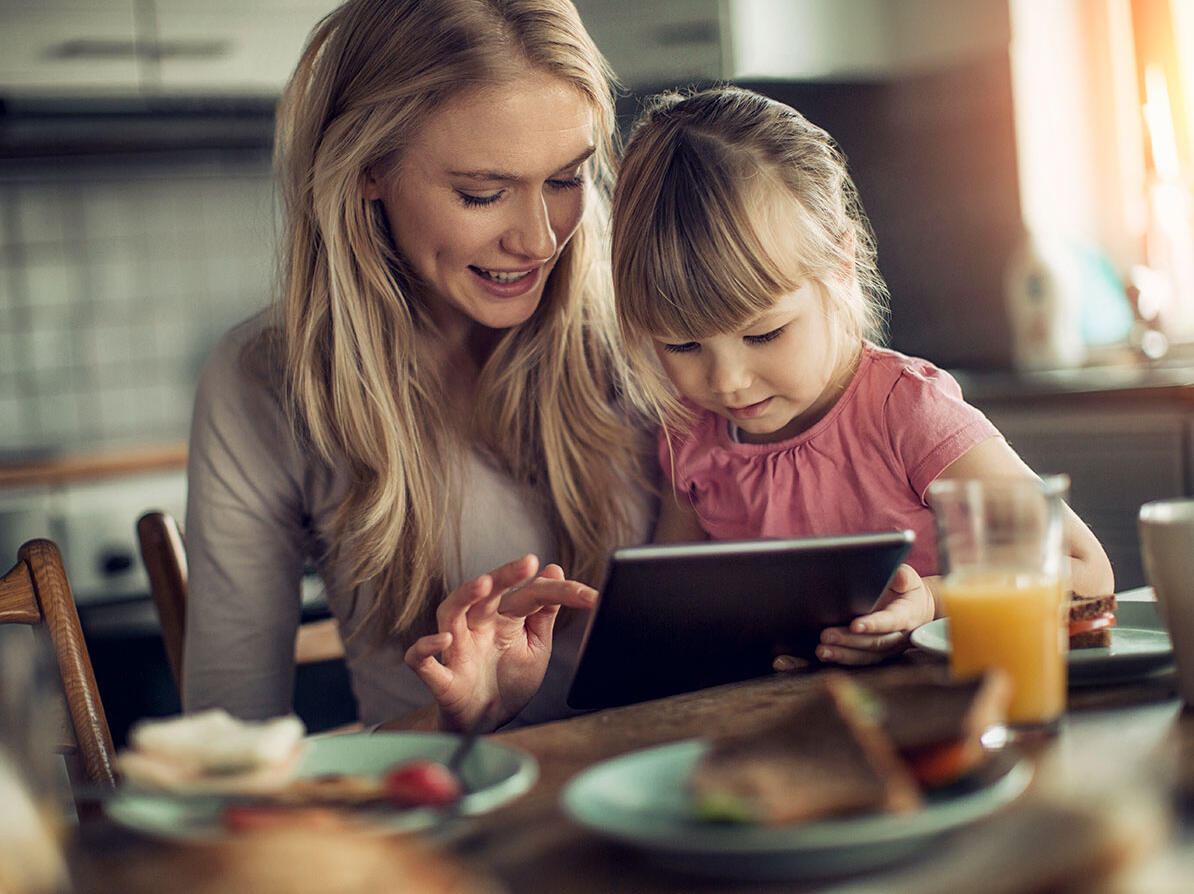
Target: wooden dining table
pixel 1111 794
pixel 1131 741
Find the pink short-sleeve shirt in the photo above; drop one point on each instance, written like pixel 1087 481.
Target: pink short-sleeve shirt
pixel 864 467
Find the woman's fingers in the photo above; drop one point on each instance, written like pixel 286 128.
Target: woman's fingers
pixel 552 572
pixel 514 573
pixel 451 612
pixel 421 658
pixel 475 601
pixel 546 592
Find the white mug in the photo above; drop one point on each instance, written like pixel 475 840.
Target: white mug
pixel 1167 547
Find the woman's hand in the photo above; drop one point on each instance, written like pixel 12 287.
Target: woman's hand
pixel 906 604
pixel 494 642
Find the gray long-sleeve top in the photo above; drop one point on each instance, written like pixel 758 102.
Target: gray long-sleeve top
pixel 260 504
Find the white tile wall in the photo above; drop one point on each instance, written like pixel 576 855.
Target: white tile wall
pixel 116 278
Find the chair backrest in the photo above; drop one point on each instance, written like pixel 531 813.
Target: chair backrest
pixel 36 592
pixel 163 550
pixel 165 559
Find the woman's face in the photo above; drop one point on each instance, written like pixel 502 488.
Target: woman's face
pixel 488 194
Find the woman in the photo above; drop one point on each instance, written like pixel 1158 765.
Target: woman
pixel 436 389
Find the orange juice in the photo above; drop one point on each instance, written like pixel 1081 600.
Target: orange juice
pixel 1014 621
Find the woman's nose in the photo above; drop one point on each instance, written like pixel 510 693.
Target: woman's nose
pixel 531 234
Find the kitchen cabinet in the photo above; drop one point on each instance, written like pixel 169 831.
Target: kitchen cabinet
pixel 861 40
pixel 152 47
pixel 237 47
pixel 661 43
pixel 67 46
pixel 669 42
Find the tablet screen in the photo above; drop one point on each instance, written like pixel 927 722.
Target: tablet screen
pixel 678 617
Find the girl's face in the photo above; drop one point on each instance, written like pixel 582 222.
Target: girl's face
pixel 486 197
pixel 773 378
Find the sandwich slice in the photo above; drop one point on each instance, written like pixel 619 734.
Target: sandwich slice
pixel 1091 620
pixel 828 756
pixel 863 742
pixel 937 724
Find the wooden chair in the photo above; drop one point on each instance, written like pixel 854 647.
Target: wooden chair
pixel 36 592
pixel 164 553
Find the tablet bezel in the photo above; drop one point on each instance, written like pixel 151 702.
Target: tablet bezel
pixel 679 617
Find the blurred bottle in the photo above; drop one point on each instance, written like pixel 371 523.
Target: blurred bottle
pixel 1044 305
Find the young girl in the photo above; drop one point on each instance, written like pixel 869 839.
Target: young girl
pixel 744 273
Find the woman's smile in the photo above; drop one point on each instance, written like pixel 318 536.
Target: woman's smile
pixel 507 283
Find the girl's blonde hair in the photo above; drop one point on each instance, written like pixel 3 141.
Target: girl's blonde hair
pixel 705 179
pixel 355 329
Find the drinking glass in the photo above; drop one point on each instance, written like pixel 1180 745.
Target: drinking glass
pixel 1005 585
pixel 1167 547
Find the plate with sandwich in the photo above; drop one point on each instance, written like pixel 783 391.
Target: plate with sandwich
pixel 863 770
pixel 202 777
pixel 1110 641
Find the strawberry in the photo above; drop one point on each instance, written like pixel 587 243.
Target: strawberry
pixel 422 783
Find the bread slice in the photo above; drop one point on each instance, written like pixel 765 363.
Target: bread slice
pixel 1099 610
pixel 212 751
pixel 828 756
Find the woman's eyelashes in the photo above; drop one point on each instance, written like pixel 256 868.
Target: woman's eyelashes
pixel 472 200
pixel 688 346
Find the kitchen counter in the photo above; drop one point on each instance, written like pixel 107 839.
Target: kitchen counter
pixel 66 467
pixel 1171 383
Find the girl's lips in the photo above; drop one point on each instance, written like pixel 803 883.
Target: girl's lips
pixel 751 411
pixel 513 289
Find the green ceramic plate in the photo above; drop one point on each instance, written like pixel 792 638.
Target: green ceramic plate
pixel 493 774
pixel 640 800
pixel 1139 647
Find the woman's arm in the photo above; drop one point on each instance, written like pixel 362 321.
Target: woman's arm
pixel 244 537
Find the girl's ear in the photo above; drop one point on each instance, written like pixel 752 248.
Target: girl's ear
pixel 370 185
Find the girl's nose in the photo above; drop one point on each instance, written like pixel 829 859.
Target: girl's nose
pixel 728 375
pixel 531 234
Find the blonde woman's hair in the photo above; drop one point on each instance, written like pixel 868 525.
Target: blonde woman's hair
pixel 355 329
pixel 705 180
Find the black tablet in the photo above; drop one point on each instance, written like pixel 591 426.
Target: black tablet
pixel 677 617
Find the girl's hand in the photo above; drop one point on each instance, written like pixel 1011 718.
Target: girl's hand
pixel 906 604
pixel 494 642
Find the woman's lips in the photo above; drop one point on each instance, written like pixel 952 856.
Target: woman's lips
pixel 507 283
pixel 750 411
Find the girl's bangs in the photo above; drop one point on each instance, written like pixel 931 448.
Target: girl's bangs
pixel 709 264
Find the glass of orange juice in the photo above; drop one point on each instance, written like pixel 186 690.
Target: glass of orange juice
pixel 1006 577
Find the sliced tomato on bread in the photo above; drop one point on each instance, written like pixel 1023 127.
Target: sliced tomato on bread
pixel 1089 625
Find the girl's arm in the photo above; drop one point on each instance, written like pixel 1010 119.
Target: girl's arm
pixel 910 601
pixel 678 522
pixel 1090 569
